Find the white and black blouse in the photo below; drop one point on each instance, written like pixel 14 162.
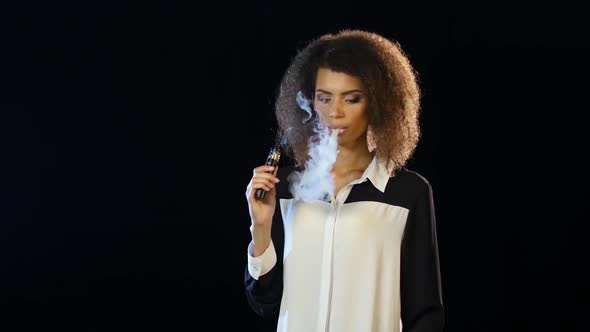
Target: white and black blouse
pixel 367 260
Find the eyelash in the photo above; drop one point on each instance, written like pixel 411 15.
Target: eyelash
pixel 350 101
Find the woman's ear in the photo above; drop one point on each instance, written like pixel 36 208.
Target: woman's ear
pixel 371 141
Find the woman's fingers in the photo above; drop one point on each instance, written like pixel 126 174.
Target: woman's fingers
pixel 264 184
pixel 265 173
pixel 263 169
pixel 264 177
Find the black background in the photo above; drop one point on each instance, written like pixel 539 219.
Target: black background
pixel 129 132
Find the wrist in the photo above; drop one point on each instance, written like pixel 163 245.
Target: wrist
pixel 257 229
pixel 261 237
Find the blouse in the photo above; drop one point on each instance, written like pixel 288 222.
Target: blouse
pixel 365 260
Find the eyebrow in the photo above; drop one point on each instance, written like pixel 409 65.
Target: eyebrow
pixel 343 93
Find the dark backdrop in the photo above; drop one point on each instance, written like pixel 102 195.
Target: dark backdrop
pixel 129 133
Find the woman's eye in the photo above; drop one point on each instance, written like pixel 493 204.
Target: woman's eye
pixel 353 100
pixel 324 100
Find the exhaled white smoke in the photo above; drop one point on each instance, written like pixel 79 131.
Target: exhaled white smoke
pixel 315 181
pixel 305 105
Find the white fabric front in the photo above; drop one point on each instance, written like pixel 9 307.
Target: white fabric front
pixel 336 257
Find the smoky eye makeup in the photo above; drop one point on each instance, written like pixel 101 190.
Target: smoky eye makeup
pixel 323 98
pixel 349 97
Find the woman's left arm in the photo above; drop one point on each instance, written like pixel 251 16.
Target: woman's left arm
pixel 421 293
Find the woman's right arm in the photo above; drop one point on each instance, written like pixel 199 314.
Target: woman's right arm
pixel 263 276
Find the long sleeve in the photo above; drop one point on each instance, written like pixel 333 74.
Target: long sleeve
pixel 421 294
pixel 264 287
pixel 261 265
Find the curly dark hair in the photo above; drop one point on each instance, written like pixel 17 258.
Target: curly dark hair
pixel 388 77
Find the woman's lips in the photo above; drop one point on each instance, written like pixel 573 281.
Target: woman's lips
pixel 341 130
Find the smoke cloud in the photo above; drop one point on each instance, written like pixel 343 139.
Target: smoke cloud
pixel 315 181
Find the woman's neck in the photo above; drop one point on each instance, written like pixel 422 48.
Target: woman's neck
pixel 352 159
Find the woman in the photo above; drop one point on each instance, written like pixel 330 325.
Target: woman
pixel 364 258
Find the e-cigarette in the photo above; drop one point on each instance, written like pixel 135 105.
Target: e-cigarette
pixel 272 160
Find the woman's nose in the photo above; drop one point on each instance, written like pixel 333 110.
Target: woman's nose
pixel 336 110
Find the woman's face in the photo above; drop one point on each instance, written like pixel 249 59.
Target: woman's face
pixel 342 102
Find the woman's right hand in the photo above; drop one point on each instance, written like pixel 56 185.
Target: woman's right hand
pixel 262 211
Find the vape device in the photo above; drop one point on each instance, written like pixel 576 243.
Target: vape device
pixel 272 160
